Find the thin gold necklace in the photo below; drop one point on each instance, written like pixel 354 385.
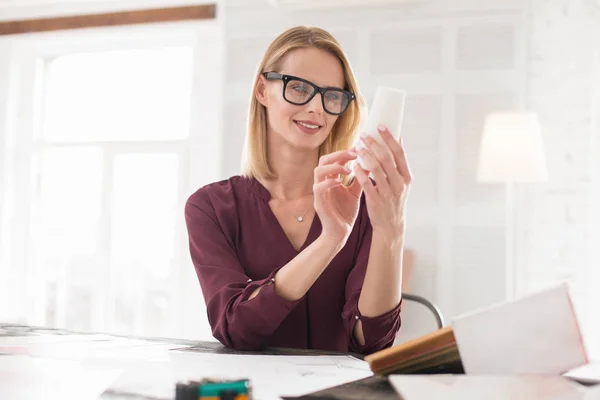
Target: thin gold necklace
pixel 301 217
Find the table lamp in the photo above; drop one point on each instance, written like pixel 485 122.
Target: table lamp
pixel 512 151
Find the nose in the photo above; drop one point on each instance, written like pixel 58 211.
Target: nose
pixel 316 104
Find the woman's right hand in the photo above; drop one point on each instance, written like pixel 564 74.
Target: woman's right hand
pixel 336 204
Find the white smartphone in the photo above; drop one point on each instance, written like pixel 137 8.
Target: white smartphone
pixel 387 109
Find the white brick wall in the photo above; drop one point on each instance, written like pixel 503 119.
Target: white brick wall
pixel 560 76
pixel 563 64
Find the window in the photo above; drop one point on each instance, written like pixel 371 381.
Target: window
pixel 126 95
pixel 98 240
pixel 104 212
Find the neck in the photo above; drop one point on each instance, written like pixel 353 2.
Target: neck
pixel 294 169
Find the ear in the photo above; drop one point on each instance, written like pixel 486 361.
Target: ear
pixel 261 91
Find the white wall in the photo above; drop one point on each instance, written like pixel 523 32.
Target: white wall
pixel 4 88
pixel 559 231
pixel 594 238
pixel 9 118
pixel 560 76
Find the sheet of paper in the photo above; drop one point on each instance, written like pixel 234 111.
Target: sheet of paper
pixel 152 369
pixel 460 387
pixel 538 334
pixel 23 377
pixel 79 350
pixel 270 376
pixel 43 339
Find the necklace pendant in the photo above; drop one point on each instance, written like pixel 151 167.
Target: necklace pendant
pixel 300 219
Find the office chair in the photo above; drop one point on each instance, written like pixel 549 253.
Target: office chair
pixel 439 318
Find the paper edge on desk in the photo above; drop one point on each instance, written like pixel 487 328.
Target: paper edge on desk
pixel 489 387
pixel 586 374
pixel 505 339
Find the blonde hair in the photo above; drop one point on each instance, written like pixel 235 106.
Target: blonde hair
pixel 255 161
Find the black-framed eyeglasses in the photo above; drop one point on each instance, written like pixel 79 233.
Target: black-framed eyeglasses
pixel 299 91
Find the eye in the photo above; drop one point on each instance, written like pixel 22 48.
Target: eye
pixel 333 96
pixel 300 87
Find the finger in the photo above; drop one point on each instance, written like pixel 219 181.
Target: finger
pixel 322 172
pixel 322 187
pixel 341 157
pixel 383 186
pixel 365 182
pixel 354 187
pixel 386 159
pixel 397 150
pixel 369 162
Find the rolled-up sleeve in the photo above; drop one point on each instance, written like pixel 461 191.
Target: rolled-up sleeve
pixel 380 331
pixel 236 321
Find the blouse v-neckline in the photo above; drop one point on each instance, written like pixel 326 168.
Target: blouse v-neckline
pixel 264 194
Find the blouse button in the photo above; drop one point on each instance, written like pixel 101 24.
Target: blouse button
pixel 249 280
pixel 356 317
pixel 272 280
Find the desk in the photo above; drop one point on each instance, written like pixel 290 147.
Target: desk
pixel 148 368
pixel 143 363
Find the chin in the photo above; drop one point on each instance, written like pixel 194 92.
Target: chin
pixel 308 142
pixel 304 144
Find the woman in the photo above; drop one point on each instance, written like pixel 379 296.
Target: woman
pixel 288 254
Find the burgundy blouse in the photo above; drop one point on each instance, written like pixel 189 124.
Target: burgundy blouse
pixel 237 245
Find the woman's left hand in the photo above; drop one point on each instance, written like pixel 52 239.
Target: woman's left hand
pixel 386 199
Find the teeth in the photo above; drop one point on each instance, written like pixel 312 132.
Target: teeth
pixel 308 125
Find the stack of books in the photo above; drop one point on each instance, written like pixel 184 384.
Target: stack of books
pixel 435 352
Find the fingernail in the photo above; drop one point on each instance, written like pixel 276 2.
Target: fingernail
pixel 364 135
pixel 381 127
pixel 352 153
pixel 347 170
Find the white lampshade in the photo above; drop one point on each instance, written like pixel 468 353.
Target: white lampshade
pixel 512 149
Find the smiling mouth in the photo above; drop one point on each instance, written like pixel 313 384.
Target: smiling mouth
pixel 307 125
